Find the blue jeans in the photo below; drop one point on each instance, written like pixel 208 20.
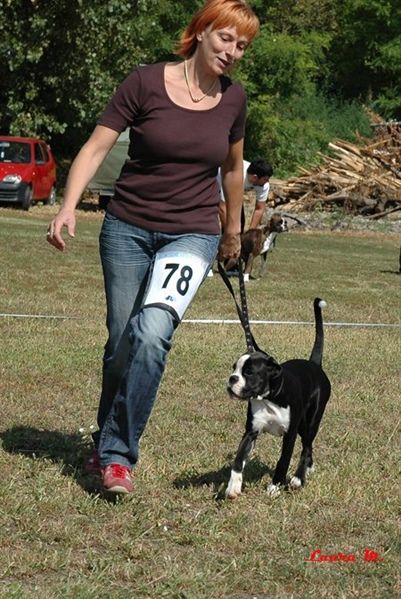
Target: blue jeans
pixel 139 337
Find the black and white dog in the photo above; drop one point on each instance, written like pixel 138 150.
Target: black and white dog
pixel 284 400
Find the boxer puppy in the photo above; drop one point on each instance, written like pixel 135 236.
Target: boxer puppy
pixel 284 400
pixel 260 241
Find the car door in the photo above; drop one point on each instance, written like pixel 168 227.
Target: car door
pixel 39 173
pixel 49 170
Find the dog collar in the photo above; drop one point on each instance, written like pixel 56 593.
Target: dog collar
pixel 278 391
pixel 269 394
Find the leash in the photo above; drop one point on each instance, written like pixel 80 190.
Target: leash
pixel 243 310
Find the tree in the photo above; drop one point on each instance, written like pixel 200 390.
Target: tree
pixel 280 75
pixel 365 56
pixel 295 17
pixel 60 60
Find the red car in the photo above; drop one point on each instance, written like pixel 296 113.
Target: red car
pixel 27 171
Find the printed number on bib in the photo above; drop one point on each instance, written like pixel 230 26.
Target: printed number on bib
pixel 175 280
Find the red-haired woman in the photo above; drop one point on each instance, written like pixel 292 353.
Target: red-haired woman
pixel 160 234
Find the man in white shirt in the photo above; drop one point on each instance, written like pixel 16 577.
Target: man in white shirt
pixel 256 177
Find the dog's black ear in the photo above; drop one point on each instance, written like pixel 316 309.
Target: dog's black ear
pixel 273 363
pixel 274 366
pixel 276 376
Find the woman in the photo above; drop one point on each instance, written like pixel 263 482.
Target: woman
pixel 160 234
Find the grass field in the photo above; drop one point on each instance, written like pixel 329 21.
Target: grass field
pixel 176 536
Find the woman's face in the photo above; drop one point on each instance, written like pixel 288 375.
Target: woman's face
pixel 221 48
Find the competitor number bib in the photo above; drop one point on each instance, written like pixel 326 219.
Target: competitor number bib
pixel 175 279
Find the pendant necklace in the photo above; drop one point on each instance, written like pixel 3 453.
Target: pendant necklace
pixel 196 100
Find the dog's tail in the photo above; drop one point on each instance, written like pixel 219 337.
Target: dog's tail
pixel 317 351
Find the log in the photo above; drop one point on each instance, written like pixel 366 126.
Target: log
pixel 384 213
pixel 361 178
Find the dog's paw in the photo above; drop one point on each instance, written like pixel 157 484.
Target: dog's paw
pixel 232 494
pixel 310 470
pixel 273 490
pixel 295 483
pixel 234 486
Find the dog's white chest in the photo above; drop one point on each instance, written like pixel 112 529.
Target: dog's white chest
pixel 270 418
pixel 269 243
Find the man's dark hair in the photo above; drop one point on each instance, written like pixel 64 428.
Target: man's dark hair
pixel 260 168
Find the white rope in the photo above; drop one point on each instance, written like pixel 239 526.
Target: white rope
pixel 223 321
pixel 296 322
pixel 44 316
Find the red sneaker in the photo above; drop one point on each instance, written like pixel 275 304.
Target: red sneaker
pixel 93 464
pixel 117 479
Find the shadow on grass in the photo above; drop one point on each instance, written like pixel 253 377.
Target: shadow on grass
pixel 69 450
pixel 391 272
pixel 254 471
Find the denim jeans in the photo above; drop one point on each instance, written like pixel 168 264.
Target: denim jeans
pixel 139 337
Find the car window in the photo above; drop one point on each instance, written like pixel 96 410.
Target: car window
pixel 39 158
pixel 45 152
pixel 16 152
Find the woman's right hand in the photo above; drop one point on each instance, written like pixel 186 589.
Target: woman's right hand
pixel 83 168
pixel 64 218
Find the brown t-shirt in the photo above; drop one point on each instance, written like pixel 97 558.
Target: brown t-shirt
pixel 168 184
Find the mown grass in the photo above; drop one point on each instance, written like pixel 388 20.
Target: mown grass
pixel 176 537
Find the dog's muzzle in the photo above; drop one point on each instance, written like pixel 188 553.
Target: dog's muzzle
pixel 232 382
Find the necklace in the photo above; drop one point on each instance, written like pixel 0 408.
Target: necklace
pixel 196 100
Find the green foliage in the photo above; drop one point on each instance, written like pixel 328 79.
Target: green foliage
pixel 296 17
pixel 61 60
pixel 291 120
pixel 281 65
pixel 291 133
pixel 262 123
pixel 387 62
pixel 365 56
pixel 280 75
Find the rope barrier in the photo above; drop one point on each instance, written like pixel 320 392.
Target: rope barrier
pixel 222 321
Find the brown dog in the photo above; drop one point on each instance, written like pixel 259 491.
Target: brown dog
pixel 260 241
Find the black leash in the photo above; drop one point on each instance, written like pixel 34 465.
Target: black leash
pixel 243 311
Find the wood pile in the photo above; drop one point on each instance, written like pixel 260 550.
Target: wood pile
pixel 360 179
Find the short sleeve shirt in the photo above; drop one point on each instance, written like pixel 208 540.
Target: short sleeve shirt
pixel 261 191
pixel 168 183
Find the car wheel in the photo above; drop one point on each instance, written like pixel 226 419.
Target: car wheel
pixel 51 200
pixel 26 197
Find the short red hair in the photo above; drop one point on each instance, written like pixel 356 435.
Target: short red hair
pixel 219 14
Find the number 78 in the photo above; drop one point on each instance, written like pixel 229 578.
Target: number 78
pixel 186 273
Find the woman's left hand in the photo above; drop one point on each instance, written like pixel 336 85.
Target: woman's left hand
pixel 230 247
